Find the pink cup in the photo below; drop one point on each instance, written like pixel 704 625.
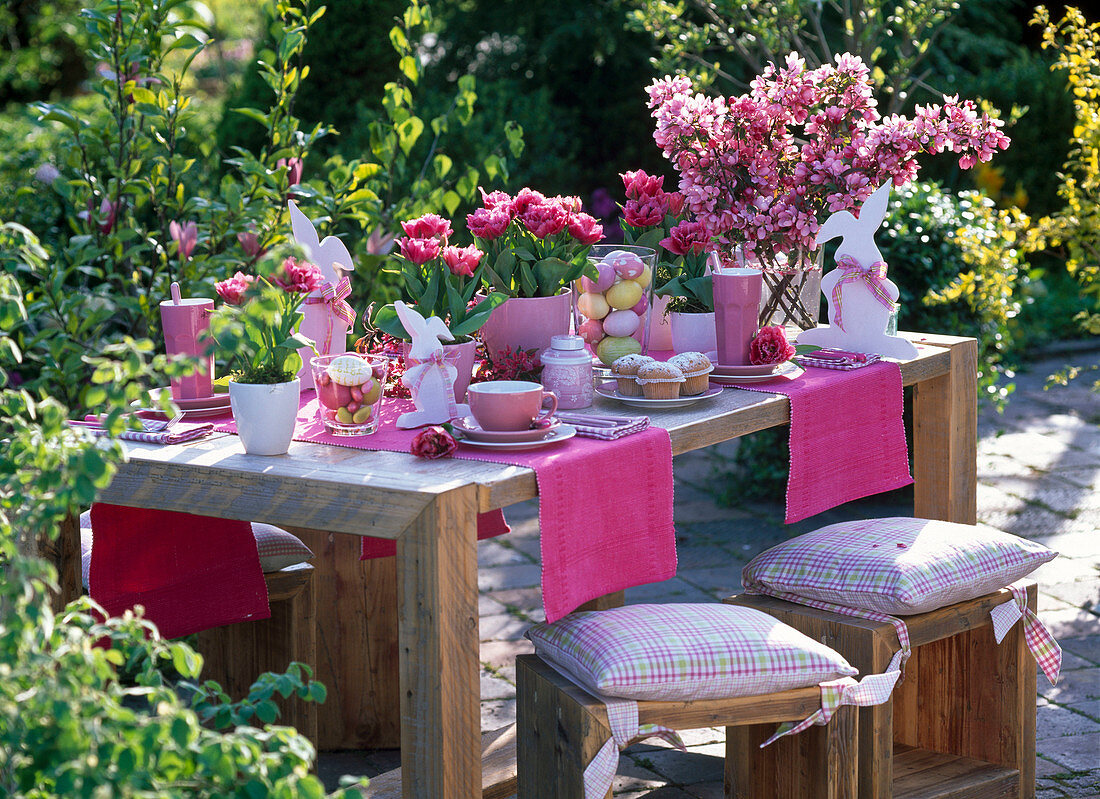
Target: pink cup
pixel 184 323
pixel 736 304
pixel 509 404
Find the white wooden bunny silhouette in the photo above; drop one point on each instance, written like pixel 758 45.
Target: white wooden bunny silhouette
pixel 326 315
pixel 861 298
pixel 430 379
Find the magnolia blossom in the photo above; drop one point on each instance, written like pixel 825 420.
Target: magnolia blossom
pixel 429 226
pixel 105 220
pixel 489 223
pixel 185 236
pixel 250 243
pixel 687 237
pixel 419 251
pixel 293 170
pixel 462 260
pixel 298 277
pixel 764 168
pixel 232 290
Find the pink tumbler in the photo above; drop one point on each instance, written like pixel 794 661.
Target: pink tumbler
pixel 184 322
pixel 736 304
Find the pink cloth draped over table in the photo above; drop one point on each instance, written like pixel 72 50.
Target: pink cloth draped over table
pixel 190 572
pixel 847 436
pixel 605 507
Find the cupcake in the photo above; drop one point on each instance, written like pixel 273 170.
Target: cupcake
pixel 660 380
pixel 696 368
pixel 625 370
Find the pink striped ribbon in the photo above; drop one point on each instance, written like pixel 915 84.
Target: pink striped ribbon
pixel 874 276
pixel 335 297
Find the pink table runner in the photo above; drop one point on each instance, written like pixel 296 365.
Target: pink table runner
pixel 605 507
pixel 190 572
pixel 847 437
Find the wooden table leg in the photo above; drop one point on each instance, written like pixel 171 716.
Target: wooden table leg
pixel 945 437
pixel 438 638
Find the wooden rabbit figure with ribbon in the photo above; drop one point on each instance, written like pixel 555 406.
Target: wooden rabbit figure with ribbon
pixel 861 298
pixel 326 314
pixel 429 377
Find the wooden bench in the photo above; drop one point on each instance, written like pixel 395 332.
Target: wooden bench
pixel 961 723
pixel 561 727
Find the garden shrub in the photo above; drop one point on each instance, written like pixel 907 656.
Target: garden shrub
pixel 41 49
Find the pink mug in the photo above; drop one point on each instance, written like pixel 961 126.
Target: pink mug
pixel 184 323
pixel 509 404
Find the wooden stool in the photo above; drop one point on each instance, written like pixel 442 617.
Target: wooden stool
pixel 961 724
pixel 237 654
pixel 561 727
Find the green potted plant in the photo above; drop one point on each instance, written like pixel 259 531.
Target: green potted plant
pixel 258 324
pixel 536 246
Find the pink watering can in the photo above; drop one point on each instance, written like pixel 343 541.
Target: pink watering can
pixel 184 322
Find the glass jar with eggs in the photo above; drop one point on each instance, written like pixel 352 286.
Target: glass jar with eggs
pixel 613 308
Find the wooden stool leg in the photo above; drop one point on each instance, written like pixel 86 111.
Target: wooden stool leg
pixel 562 730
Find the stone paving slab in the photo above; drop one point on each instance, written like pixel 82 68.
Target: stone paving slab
pixel 1038 473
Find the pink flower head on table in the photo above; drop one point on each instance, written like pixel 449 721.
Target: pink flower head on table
pixel 770 346
pixel 432 442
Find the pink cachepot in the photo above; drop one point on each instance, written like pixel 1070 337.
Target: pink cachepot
pixel 524 323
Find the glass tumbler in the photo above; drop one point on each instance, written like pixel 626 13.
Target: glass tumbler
pixel 349 391
pixel 613 309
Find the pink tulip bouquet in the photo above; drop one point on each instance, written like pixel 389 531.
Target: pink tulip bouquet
pixel 536 245
pixel 259 320
pixel 763 170
pixel 440 278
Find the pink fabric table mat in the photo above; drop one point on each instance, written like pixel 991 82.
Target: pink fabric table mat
pixel 605 507
pixel 847 437
pixel 190 572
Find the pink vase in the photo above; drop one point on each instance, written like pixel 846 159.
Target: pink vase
pixel 461 356
pixel 525 323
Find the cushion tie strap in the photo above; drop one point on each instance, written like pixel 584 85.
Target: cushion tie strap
pixel 874 689
pixel 622 715
pixel 1047 652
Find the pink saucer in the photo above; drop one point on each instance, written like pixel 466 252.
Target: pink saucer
pixel 745 371
pixel 472 430
pixel 194 404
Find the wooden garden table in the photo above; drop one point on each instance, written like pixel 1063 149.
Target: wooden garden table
pixel 431 507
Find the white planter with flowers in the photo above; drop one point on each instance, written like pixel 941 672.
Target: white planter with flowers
pixel 265 414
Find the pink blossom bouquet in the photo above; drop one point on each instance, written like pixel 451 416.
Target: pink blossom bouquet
pixel 259 320
pixel 763 170
pixel 653 217
pixel 536 245
pixel 440 278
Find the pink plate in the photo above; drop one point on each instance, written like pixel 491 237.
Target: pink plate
pixel 196 404
pixel 745 371
pixel 473 431
pixel 197 413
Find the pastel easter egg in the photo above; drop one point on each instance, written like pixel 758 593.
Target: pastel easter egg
pixel 593 306
pixel 352 406
pixel 602 282
pixel 332 394
pixel 378 371
pixel 627 265
pixel 372 392
pixel 624 295
pixel 591 330
pixel 642 306
pixel 347 370
pixel 614 347
pixel 343 416
pixel 621 323
pixel 645 277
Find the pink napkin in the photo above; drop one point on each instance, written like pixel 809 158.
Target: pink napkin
pixel 190 572
pixel 605 509
pixel 847 437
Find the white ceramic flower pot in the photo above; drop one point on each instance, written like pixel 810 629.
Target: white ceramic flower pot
pixel 265 414
pixel 693 332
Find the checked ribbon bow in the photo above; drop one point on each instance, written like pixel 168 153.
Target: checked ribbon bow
pixel 852 271
pixel 439 358
pixel 335 297
pixel 874 689
pixel 1047 652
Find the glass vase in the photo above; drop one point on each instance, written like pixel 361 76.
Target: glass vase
pixel 791 296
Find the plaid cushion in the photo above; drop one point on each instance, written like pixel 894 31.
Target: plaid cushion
pixel 277 548
pixel 898 566
pixel 684 652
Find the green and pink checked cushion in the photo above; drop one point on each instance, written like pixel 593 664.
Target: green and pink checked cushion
pixel 684 652
pixel 898 566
